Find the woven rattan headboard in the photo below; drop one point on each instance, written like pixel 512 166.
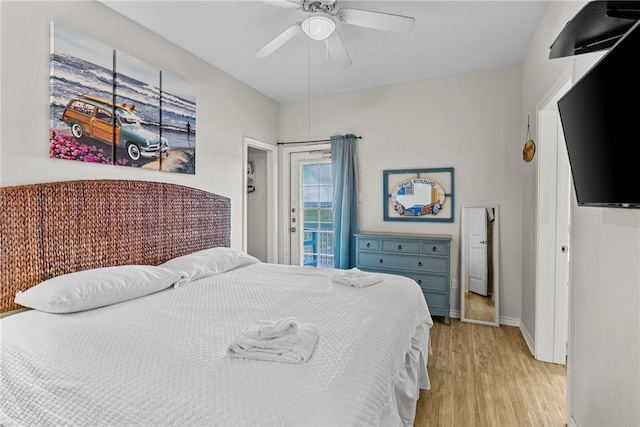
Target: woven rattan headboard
pixel 56 228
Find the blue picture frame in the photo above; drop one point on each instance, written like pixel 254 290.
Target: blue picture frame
pixel 424 195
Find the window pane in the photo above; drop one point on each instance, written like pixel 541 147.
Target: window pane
pixel 326 225
pixel 326 215
pixel 310 196
pixel 310 215
pixel 324 172
pixel 326 195
pixel 310 174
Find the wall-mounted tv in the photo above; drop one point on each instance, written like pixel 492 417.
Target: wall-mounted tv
pixel 600 117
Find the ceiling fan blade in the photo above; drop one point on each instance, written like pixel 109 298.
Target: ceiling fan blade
pixel 280 39
pixel 286 4
pixel 338 52
pixel 377 20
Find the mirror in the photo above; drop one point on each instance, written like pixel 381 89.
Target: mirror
pixel 416 197
pixel 479 262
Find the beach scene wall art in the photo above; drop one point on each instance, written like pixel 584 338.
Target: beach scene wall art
pixel 109 107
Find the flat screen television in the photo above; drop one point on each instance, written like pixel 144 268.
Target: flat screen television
pixel 600 118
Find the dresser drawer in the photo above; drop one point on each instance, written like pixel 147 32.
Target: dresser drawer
pixel 430 281
pixel 435 248
pixel 437 302
pixel 416 263
pixel 404 246
pixel 368 244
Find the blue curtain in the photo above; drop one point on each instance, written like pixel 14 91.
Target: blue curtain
pixel 345 200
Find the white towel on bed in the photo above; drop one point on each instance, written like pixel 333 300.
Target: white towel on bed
pixel 295 347
pixel 356 278
pixel 277 328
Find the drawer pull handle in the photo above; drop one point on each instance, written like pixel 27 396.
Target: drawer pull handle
pixel 399 247
pixel 419 263
pixel 381 261
pixel 434 249
pixel 419 282
pixel 368 245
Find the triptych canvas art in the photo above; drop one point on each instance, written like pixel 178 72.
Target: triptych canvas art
pixel 112 108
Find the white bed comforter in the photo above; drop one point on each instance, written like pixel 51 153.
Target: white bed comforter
pixel 162 359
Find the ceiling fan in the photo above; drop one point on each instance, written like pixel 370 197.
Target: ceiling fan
pixel 320 24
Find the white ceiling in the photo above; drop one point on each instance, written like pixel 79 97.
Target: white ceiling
pixel 449 37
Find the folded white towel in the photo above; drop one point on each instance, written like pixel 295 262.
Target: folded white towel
pixel 294 347
pixel 352 272
pixel 276 328
pixel 356 278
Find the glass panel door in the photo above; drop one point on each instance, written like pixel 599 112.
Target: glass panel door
pixel 311 210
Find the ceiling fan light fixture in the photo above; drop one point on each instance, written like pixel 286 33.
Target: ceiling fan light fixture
pixel 318 27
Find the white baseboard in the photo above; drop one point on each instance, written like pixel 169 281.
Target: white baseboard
pixel 527 338
pixel 509 321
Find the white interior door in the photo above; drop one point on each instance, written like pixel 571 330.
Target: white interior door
pixel 563 237
pixel 311 209
pixel 552 233
pixel 478 251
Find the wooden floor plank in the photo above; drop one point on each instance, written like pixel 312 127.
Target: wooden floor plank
pixel 485 376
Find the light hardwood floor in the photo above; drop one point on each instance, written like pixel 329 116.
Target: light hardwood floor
pixel 485 376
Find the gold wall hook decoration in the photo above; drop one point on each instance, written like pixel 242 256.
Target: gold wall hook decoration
pixel 529 149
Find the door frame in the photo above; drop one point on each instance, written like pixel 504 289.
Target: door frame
pixel 284 156
pixel 272 194
pixel 550 328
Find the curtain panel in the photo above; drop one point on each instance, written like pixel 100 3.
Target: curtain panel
pixel 345 199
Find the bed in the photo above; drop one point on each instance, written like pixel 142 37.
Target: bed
pixel 164 358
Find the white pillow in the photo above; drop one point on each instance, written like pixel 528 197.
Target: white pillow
pixel 84 290
pixel 208 262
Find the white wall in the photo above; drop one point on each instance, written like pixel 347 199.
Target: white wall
pixel 604 341
pixel 470 122
pixel 227 110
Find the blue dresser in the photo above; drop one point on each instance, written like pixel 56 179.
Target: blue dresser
pixel 423 258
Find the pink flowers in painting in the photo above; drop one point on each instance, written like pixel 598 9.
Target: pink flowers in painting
pixel 67 147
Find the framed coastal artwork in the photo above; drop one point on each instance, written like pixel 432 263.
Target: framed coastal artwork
pixel 418 195
pixel 109 107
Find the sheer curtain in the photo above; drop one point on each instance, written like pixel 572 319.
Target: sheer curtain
pixel 345 199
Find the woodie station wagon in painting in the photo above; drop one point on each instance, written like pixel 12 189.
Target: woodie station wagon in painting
pixel 92 116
